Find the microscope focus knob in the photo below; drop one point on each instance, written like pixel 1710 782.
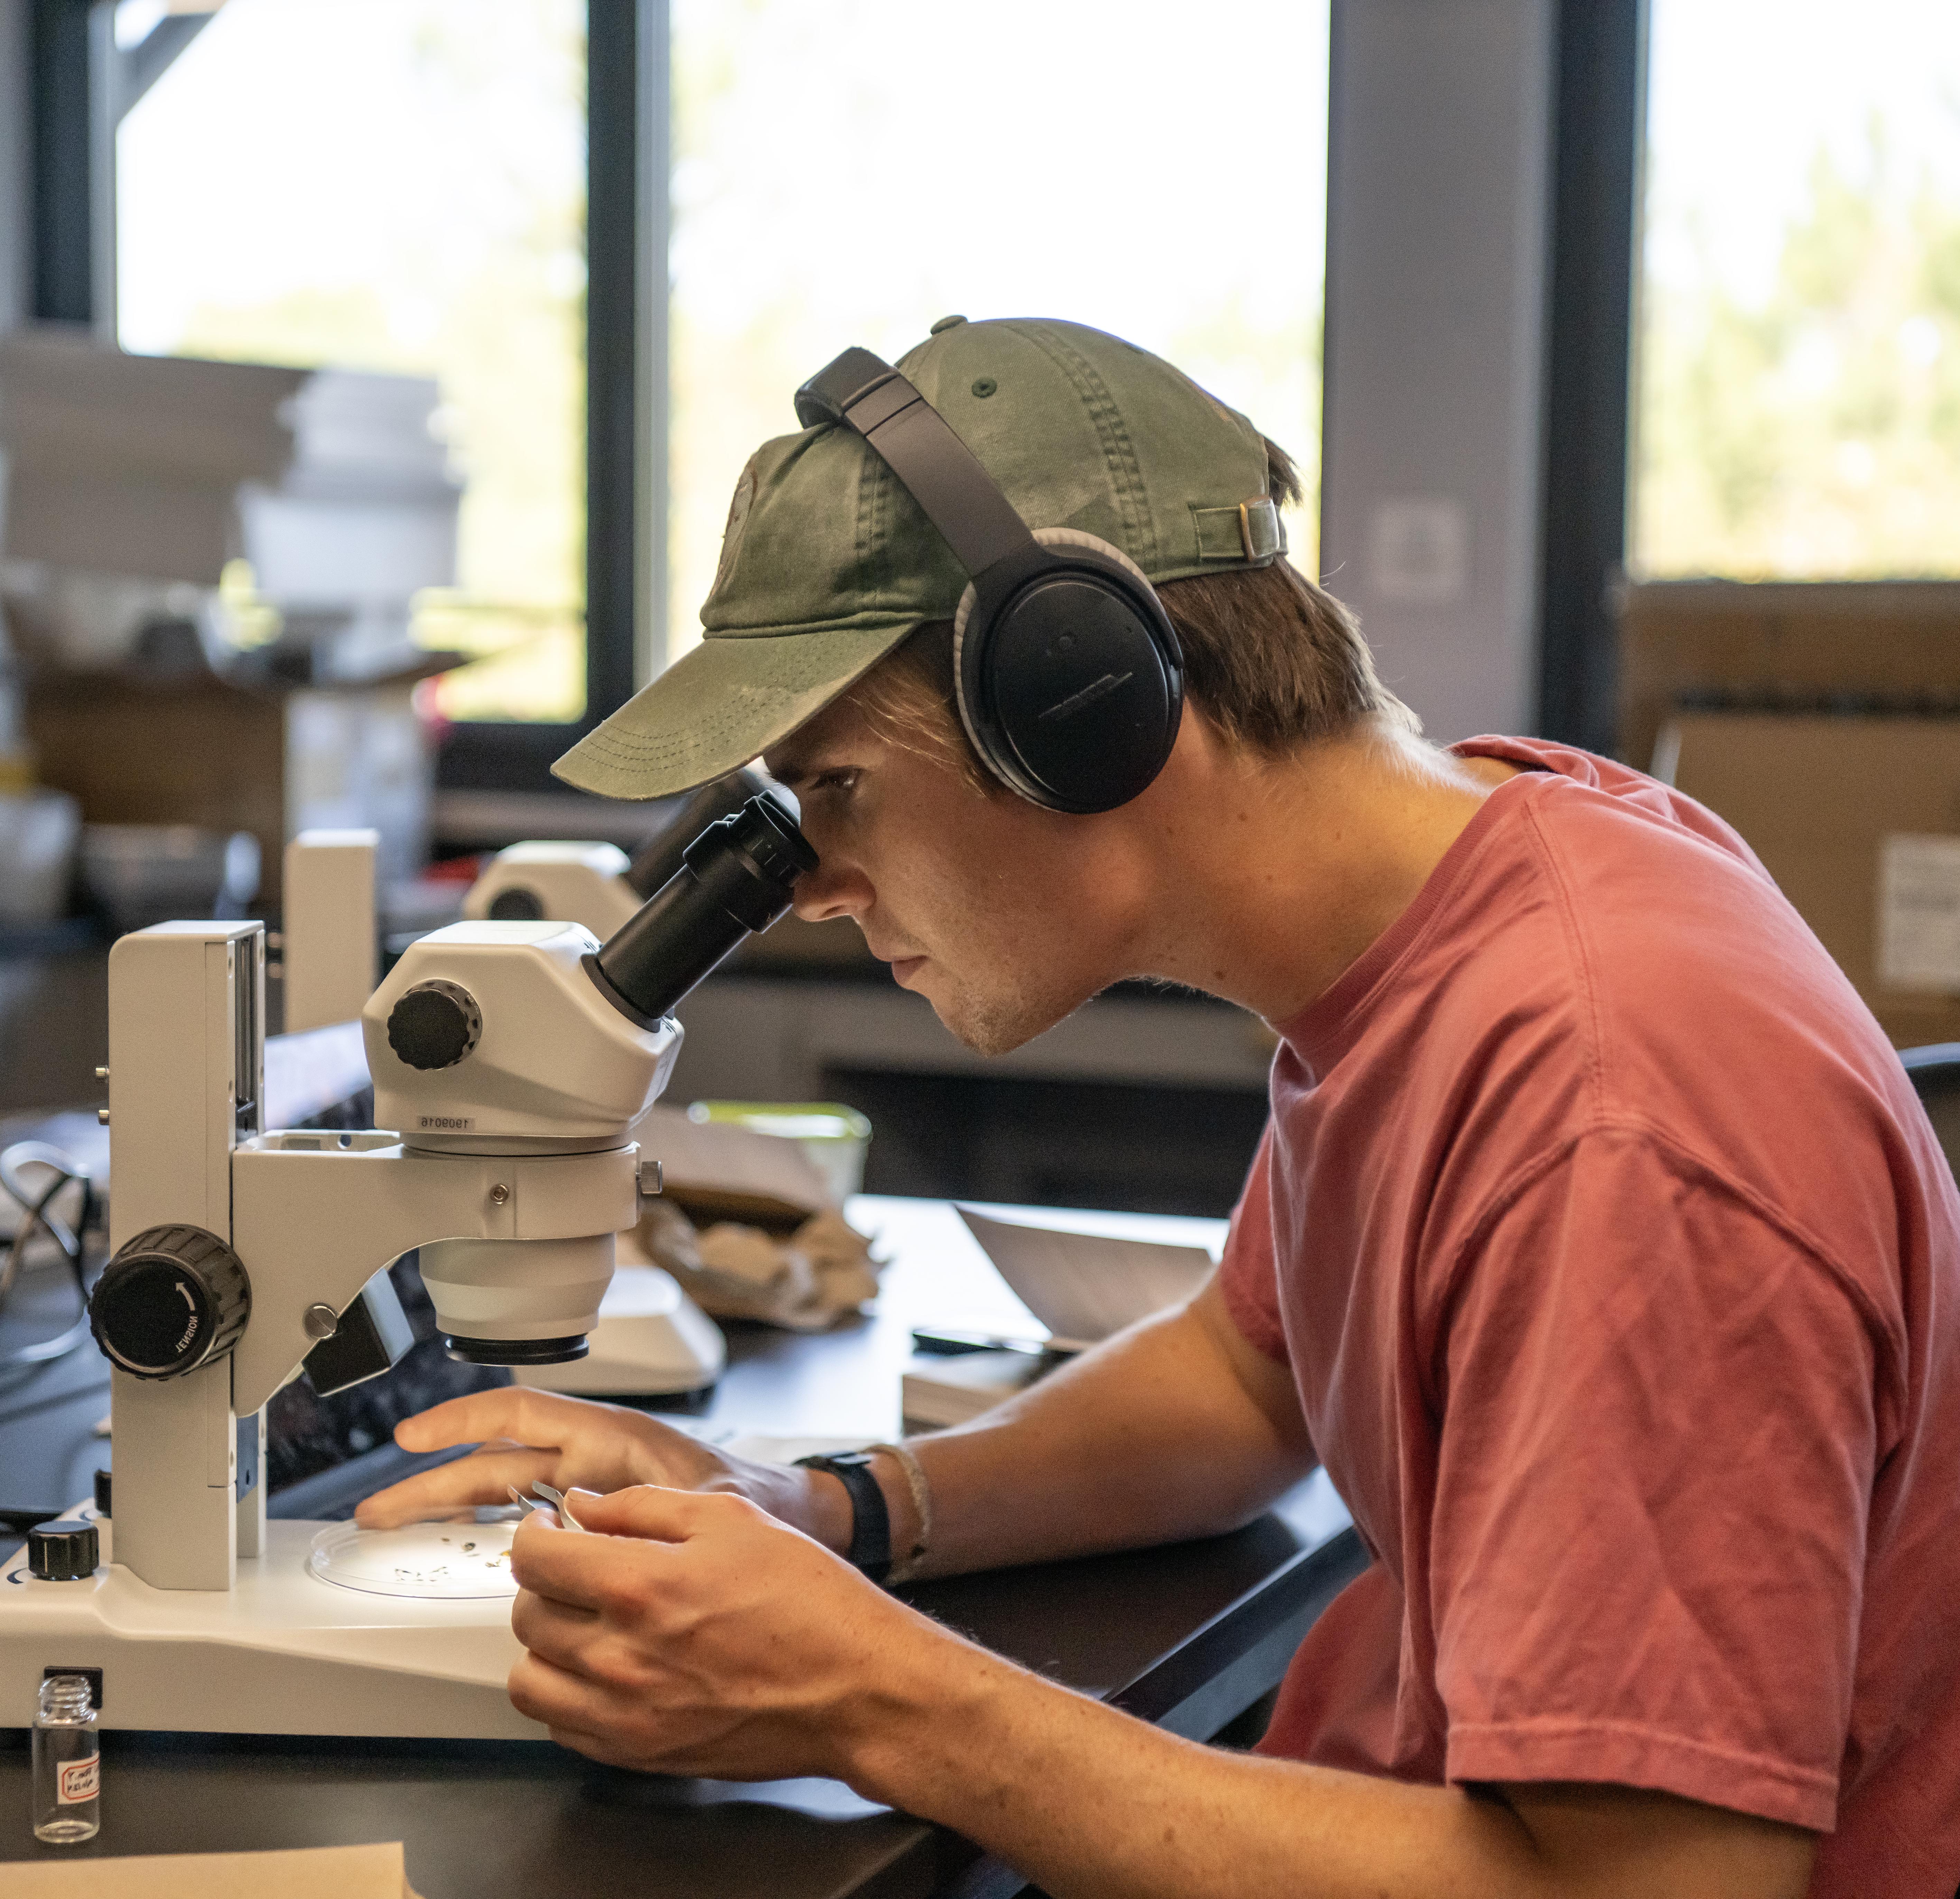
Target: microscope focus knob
pixel 173 1299
pixel 434 1025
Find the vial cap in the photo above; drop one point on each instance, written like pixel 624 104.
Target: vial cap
pixel 64 1552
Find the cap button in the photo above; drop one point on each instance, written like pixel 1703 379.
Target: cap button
pixel 946 323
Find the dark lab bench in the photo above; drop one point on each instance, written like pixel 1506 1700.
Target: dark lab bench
pixel 1187 1637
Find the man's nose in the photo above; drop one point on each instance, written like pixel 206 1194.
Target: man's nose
pixel 835 888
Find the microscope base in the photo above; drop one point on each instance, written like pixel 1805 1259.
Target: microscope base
pixel 282 1653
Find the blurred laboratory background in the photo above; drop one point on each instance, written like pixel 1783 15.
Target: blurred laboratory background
pixel 374 374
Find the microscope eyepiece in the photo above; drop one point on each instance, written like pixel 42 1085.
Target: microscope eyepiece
pixel 737 876
pixel 660 856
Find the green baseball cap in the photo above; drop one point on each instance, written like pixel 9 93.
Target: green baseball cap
pixel 827 563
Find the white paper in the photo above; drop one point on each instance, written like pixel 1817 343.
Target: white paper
pixel 1083 1286
pixel 1919 913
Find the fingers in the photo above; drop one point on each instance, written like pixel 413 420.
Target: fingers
pixel 547 1693
pixel 608 1753
pixel 599 1573
pixel 657 1515
pixel 586 1716
pixel 562 1635
pixel 517 1411
pixel 485 1477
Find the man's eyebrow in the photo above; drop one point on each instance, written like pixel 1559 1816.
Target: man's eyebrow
pixel 789 771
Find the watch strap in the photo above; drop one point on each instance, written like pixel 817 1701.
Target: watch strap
pixel 871 1548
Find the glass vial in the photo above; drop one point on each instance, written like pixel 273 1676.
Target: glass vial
pixel 67 1763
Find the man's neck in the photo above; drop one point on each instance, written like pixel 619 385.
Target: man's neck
pixel 1272 877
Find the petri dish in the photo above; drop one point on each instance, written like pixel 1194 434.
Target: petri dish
pixel 464 1557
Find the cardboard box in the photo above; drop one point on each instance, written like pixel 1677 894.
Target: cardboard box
pixel 201 750
pixel 1816 797
pixel 1787 646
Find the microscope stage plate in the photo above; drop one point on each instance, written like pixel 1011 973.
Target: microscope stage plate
pixel 453 1559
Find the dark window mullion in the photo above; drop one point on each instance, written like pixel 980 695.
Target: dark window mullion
pixel 616 46
pixel 63 147
pixel 1600 100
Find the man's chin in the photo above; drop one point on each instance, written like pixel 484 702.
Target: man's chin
pixel 997 1025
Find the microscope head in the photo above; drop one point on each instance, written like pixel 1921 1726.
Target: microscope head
pixel 530 1042
pixel 490 1037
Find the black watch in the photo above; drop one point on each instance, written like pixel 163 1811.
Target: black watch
pixel 871 1548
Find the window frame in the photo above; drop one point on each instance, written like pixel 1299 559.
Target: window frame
pixel 81 83
pixel 76 69
pixel 1599 124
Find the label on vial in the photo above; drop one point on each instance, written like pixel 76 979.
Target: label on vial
pixel 80 1780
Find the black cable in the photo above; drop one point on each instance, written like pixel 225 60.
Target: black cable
pixel 37 1218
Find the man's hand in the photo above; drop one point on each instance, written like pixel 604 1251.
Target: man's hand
pixel 571 1442
pixel 692 1633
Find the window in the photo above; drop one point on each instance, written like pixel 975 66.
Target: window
pixel 848 172
pixel 400 184
pixel 1798 414
pixel 395 185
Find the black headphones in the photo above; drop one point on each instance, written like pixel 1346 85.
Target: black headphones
pixel 1071 679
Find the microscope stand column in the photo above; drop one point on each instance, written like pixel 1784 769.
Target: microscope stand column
pixel 186 1014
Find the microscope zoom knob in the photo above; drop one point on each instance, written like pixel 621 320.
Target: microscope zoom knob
pixel 434 1025
pixel 173 1299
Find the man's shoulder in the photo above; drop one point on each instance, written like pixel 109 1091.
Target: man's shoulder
pixel 1618 958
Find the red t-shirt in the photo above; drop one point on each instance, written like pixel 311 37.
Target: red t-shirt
pixel 1618 1269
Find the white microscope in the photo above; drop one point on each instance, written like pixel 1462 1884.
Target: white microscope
pixel 511 1060
pixel 651 1336
pixel 597 884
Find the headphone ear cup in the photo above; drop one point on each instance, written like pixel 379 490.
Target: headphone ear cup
pixel 1072 688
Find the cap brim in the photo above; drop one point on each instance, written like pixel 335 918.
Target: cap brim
pixel 718 707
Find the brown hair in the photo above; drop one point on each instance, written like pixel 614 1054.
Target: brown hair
pixel 1273 661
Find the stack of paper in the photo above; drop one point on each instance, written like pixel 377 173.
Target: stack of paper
pixel 1082 1287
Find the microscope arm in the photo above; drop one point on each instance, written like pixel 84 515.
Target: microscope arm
pixel 312 1222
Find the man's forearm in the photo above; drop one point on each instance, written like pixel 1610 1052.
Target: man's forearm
pixel 1163 1433
pixel 1091 1804
pixel 1087 1802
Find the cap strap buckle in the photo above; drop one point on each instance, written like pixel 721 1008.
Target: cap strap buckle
pixel 1251 532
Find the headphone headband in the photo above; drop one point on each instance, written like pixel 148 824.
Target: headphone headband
pixel 941 473
pixel 1071 679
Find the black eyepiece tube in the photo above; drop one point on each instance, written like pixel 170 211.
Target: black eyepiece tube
pixel 659 857
pixel 735 877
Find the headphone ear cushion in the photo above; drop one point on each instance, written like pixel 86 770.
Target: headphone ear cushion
pixel 1073 537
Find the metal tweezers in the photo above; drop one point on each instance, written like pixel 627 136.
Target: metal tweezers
pixel 545 1496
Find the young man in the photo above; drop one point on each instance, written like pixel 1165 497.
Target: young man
pixel 1597 1246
